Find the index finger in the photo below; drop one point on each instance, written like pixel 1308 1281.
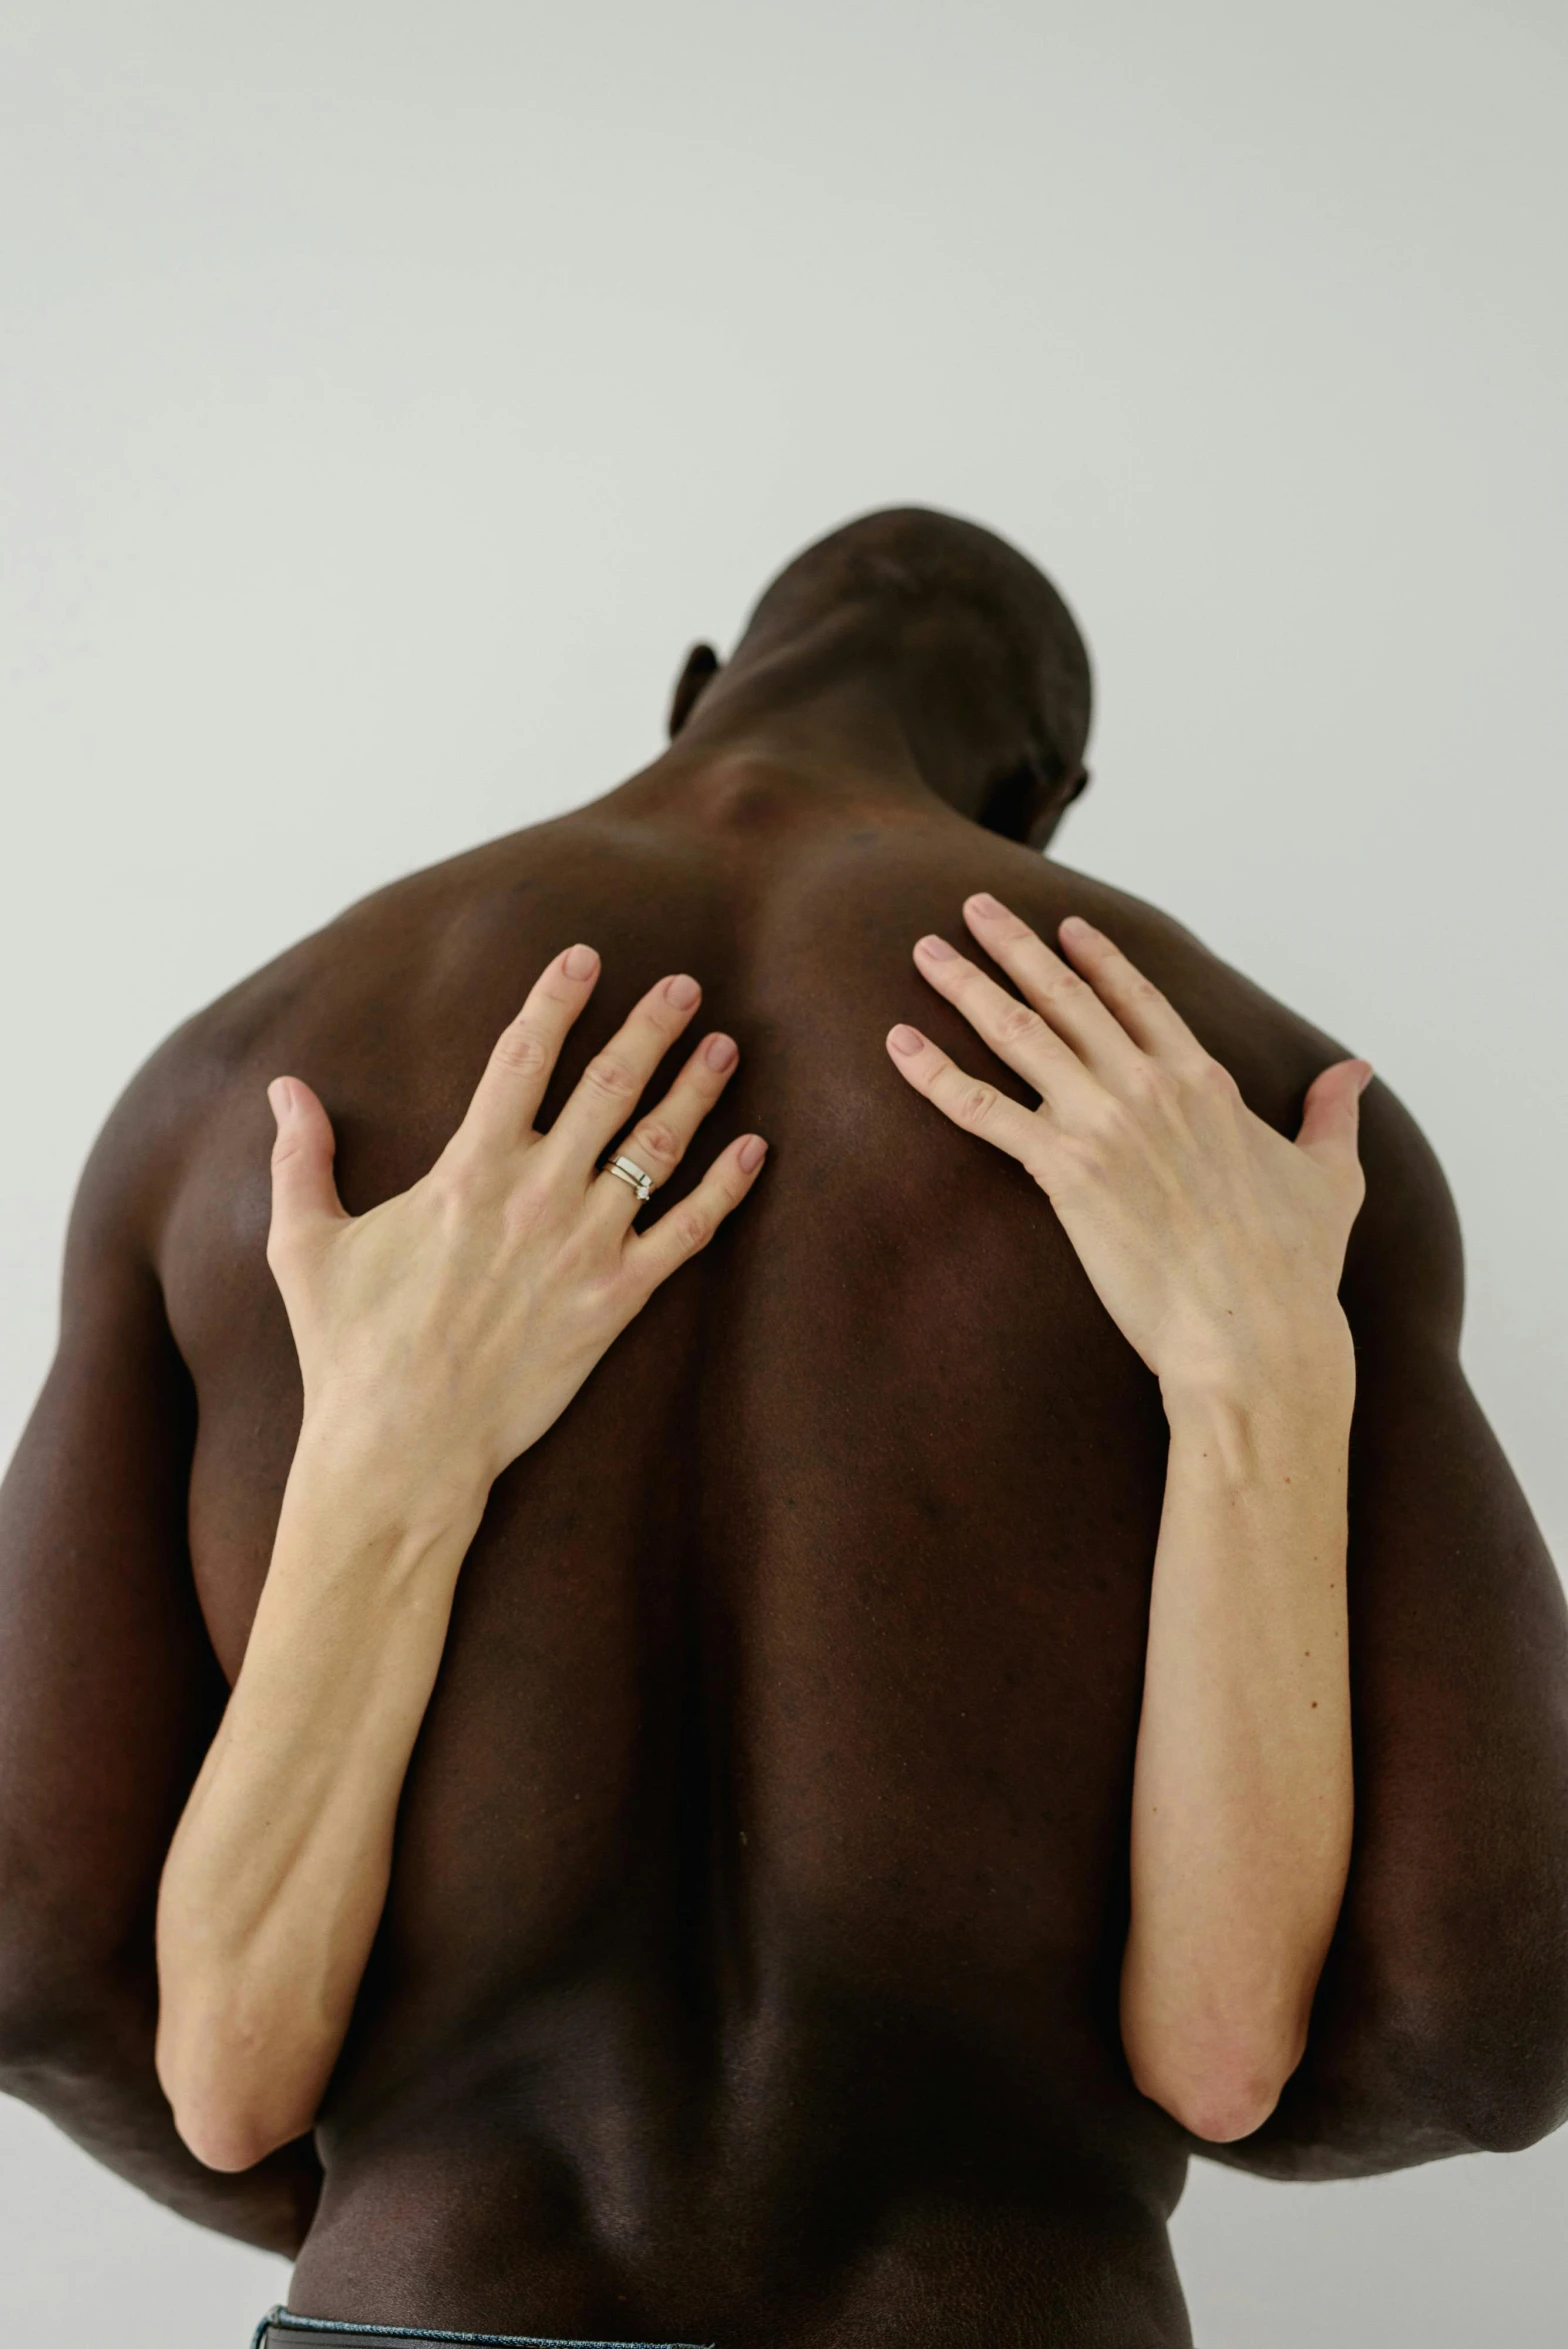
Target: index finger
pixel 507 1097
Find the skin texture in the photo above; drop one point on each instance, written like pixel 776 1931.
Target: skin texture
pixel 749 1968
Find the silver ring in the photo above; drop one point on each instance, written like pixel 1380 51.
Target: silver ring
pixel 627 1170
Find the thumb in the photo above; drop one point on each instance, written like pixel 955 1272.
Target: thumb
pixel 303 1190
pixel 1331 1114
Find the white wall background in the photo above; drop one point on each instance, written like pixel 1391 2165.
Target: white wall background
pixel 389 394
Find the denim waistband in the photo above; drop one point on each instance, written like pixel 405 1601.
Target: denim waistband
pixel 281 2329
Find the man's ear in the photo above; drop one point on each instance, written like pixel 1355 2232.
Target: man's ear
pixel 1061 798
pixel 702 665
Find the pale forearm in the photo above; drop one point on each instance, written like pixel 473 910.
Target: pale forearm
pixel 439 1336
pixel 277 1874
pixel 1217 1246
pixel 1242 1800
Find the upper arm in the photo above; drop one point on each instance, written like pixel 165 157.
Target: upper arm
pixel 1442 2018
pixel 109 1690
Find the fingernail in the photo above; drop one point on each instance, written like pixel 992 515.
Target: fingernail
pixel 682 991
pixel 751 1153
pixel 905 1040
pixel 1368 1072
pixel 581 962
pixel 938 949
pixel 984 903
pixel 1077 923
pixel 720 1052
pixel 281 1095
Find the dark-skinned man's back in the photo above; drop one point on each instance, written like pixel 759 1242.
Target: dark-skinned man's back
pixel 749 1968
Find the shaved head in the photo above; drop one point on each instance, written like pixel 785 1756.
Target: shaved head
pixel 947 593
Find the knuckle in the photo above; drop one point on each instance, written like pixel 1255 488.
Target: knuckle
pixel 1017 1023
pixel 1151 1085
pixel 1104 1133
pixel 693 1228
pixel 290 1144
pixel 611 1077
pixel 655 1139
pixel 1212 1077
pixel 457 1178
pixel 974 1105
pixel 1075 1162
pixel 523 1051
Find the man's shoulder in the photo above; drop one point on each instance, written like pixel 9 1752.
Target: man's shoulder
pixel 381 946
pixel 1405 1261
pixel 1273 1051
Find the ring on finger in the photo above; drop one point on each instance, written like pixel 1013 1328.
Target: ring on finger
pixel 626 1170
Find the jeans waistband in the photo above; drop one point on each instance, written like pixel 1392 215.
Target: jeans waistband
pixel 281 2329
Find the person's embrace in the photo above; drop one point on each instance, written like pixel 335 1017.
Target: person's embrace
pixel 439 1336
pixel 599 1748
pixel 1216 1247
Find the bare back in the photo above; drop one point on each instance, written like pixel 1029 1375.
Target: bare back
pixel 749 1967
pixel 760 1874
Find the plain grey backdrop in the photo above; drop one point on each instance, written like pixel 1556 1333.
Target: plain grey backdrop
pixel 391 392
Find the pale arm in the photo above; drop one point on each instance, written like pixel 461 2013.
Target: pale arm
pixel 109 1695
pixel 1216 1246
pixel 278 1871
pixel 439 1337
pixel 1242 1802
pixel 1441 2022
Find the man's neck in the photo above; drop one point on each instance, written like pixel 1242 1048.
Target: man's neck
pixel 831 733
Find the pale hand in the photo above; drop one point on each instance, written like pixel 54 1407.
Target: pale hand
pixel 451 1326
pixel 1215 1244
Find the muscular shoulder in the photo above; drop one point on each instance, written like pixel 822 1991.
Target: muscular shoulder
pixel 364 973
pixel 1405 1265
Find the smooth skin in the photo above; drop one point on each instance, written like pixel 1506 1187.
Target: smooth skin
pixel 1216 1246
pixel 443 1333
pixel 439 1336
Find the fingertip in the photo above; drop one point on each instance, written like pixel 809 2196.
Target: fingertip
pixel 580 962
pixel 751 1153
pixel 1343 1080
pixel 720 1053
pixel 1073 926
pixel 280 1095
pixel 904 1040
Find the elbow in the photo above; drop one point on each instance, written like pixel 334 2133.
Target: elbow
pixel 1231 2111
pixel 1219 2078
pixel 225 2128
pixel 240 2073
pixel 223 2137
pixel 231 2108
pixel 1220 2100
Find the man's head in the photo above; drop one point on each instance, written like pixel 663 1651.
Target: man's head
pixel 958 632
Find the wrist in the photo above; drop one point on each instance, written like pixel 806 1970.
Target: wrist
pixel 389 1482
pixel 1255 1368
